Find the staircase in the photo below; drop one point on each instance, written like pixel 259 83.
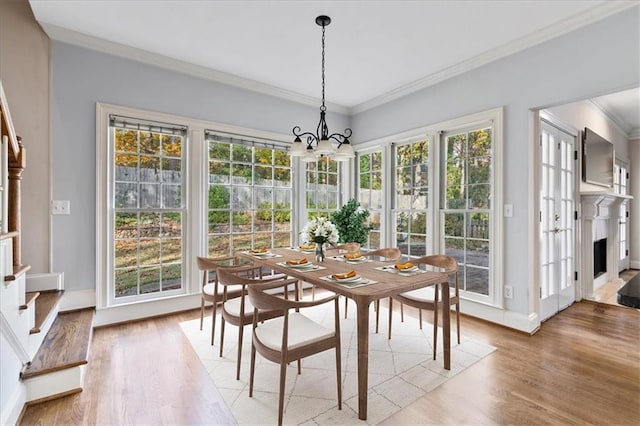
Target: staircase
pixel 44 353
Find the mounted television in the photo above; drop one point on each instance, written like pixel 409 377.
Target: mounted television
pixel 598 159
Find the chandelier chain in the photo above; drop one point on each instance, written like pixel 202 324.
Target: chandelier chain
pixel 323 106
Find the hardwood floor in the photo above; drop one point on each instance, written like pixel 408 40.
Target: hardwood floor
pixel 583 367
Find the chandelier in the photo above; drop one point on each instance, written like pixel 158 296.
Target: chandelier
pixel 319 144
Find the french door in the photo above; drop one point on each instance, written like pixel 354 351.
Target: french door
pixel 557 223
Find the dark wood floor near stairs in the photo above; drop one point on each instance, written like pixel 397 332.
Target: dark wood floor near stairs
pixel 582 367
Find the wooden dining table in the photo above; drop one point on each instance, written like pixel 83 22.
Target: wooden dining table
pixel 386 283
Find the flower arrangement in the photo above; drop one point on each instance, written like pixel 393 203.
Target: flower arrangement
pixel 320 230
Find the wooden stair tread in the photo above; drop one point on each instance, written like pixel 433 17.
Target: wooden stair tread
pixel 66 344
pixel 45 306
pixel 30 297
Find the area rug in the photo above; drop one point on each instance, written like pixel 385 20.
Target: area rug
pixel 401 370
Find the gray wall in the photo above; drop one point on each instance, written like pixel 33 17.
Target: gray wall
pixel 24 70
pixel 82 77
pixel 599 59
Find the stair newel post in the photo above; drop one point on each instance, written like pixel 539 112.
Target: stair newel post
pixel 17 164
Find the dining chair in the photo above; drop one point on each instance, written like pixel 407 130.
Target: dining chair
pixel 210 289
pixel 239 311
pixel 430 298
pixel 291 336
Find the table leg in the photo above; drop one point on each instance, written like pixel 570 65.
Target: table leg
pixel 446 325
pixel 363 356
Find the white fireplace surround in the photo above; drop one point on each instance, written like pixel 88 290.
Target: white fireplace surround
pixel 600 212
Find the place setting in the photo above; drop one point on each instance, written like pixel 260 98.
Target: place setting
pixel 353 258
pixel 403 269
pixel 305 248
pixel 262 253
pixel 349 279
pixel 302 265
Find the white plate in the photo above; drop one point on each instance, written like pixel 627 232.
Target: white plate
pixel 307 265
pixel 357 259
pixel 412 269
pixel 347 280
pixel 265 254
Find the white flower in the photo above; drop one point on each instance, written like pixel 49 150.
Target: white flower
pixel 319 227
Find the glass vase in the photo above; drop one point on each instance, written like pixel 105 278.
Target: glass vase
pixel 319 252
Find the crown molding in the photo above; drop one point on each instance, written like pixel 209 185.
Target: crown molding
pixel 552 31
pixel 588 17
pixel 613 118
pixel 634 134
pixel 94 43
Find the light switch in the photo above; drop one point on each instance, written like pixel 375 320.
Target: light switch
pixel 60 207
pixel 508 210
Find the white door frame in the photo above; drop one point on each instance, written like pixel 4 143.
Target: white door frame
pixel 564 297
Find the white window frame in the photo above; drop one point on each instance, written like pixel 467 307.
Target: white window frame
pixel 432 132
pixel 195 220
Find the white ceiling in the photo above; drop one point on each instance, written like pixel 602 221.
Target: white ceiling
pixel 375 50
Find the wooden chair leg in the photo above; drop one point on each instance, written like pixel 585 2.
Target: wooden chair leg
pixel 390 316
pixel 458 319
pixel 283 377
pixel 339 376
pixel 213 321
pixel 239 359
pixel 253 369
pixel 222 321
pixel 346 301
pixel 299 366
pixel 435 330
pixel 420 317
pixel 401 312
pixel 201 312
pixel 435 322
pixel 377 307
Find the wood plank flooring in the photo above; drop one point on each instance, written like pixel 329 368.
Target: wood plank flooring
pixel 582 367
pixel 66 344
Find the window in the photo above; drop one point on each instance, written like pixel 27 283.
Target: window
pixel 322 187
pixel 370 192
pixel 146 208
pixel 249 195
pixel 411 197
pixel 620 178
pixel 467 212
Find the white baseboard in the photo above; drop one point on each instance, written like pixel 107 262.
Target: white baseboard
pixel 13 407
pixel 78 299
pixel 518 321
pixel 140 310
pixel 43 282
pixel 634 264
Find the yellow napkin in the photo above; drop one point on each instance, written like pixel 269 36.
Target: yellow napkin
pixel 402 266
pixel 259 250
pixel 297 262
pixel 344 276
pixel 307 247
pixel 351 256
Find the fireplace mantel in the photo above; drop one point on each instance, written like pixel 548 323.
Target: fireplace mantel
pixel 599 213
pixel 596 205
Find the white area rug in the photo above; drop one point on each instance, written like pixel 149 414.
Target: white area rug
pixel 401 370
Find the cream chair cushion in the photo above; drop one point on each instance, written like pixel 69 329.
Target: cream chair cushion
pixel 425 294
pixel 302 331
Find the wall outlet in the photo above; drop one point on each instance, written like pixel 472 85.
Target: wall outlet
pixel 508 292
pixel 60 207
